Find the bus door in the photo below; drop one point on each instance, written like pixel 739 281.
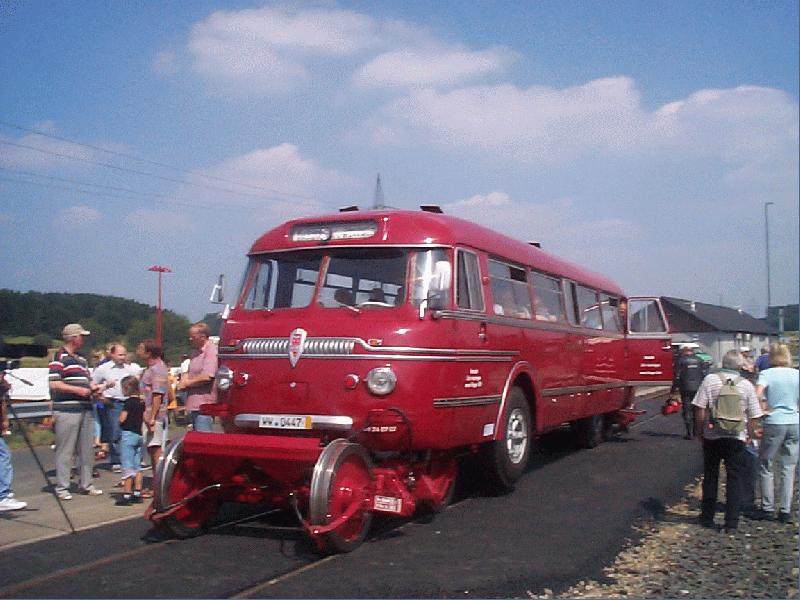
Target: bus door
pixel 649 354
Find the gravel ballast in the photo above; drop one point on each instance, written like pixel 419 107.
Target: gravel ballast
pixel 674 557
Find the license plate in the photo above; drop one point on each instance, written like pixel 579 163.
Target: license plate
pixel 388 504
pixel 285 421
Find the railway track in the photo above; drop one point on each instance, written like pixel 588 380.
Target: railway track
pixel 286 558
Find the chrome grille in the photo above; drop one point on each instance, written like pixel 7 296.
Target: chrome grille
pixel 316 346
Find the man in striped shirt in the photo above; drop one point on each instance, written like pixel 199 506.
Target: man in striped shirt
pixel 71 390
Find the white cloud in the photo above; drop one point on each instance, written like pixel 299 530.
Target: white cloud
pixel 166 62
pixel 557 224
pixel 277 49
pixel 605 115
pixel 78 216
pixel 265 49
pixel 432 66
pixel 278 181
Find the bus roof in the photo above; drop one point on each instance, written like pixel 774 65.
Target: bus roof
pixel 422 228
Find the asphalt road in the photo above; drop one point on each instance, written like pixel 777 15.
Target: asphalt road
pixel 570 515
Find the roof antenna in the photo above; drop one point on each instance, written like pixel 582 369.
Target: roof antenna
pixel 377 202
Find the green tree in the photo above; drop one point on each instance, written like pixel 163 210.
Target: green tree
pixel 174 333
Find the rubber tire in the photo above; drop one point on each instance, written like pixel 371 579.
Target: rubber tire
pixel 589 431
pixel 501 471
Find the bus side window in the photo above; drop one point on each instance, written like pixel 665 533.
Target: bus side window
pixel 469 292
pixel 549 298
pixel 611 317
pixel 509 290
pixel 589 308
pixel 571 300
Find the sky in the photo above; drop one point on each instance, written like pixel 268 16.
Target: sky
pixel 642 140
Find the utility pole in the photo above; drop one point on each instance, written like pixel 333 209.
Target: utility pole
pixel 766 231
pixel 159 269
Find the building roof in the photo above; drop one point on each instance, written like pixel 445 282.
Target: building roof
pixel 721 318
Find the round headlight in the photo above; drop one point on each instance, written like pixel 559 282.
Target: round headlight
pixel 224 378
pixel 381 381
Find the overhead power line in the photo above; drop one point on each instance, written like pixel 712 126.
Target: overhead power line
pixel 152 162
pixel 86 183
pixel 145 173
pixel 117 197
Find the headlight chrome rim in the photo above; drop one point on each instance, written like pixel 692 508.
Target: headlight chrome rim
pixel 224 378
pixel 381 381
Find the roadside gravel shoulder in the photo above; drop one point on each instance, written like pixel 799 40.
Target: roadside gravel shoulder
pixel 674 557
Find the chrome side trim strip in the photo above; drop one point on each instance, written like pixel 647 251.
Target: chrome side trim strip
pixel 345 346
pixel 466 401
pixel 582 389
pixel 398 357
pixel 317 421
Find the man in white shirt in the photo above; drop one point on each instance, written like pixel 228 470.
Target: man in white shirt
pixel 111 373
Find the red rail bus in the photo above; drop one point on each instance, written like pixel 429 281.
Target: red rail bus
pixel 366 351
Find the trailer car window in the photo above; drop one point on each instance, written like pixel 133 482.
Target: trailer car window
pixel 645 317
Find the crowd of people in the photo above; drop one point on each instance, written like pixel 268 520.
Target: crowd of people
pixel 745 415
pixel 116 411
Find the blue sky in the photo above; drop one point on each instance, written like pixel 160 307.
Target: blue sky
pixel 640 139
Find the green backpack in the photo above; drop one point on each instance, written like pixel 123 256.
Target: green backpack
pixel 727 413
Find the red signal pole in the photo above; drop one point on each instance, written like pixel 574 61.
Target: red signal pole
pixel 159 269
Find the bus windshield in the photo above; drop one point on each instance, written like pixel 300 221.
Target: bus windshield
pixel 355 277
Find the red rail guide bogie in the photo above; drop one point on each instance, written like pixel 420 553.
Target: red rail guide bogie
pixel 367 351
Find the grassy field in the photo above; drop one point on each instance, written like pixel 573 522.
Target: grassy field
pixel 38 436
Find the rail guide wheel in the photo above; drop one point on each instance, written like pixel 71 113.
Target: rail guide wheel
pixel 175 482
pixel 339 487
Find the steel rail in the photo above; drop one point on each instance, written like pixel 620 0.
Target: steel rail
pixel 253 590
pixel 14 590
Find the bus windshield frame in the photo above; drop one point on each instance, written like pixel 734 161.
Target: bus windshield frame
pixel 335 277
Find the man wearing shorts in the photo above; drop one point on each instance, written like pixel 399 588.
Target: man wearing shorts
pixel 154 384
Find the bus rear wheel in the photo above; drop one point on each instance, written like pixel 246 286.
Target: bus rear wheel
pixel 507 457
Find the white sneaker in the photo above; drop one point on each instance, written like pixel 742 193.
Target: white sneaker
pixel 11 504
pixel 90 491
pixel 64 495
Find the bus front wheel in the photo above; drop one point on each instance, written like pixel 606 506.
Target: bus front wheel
pixel 507 457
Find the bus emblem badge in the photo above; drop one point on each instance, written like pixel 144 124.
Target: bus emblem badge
pixel 297 340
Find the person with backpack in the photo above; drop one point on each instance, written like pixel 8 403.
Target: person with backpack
pixel 691 371
pixel 726 412
pixel 777 388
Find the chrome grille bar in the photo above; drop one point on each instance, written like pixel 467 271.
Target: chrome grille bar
pixel 313 346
